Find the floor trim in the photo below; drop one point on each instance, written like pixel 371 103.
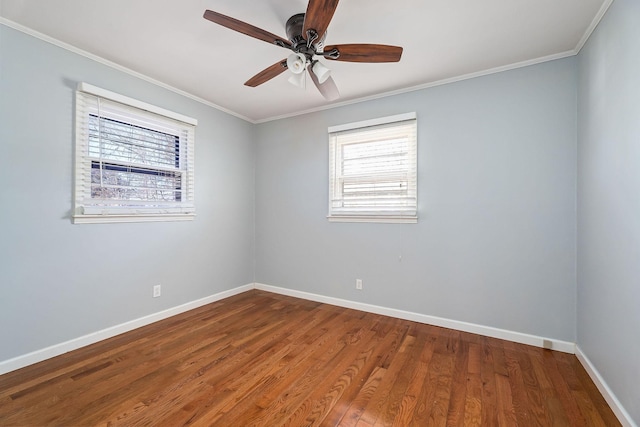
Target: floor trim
pixel 563 346
pixel 607 393
pixel 76 343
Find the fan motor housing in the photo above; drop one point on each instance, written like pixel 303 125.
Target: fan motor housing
pixel 294 28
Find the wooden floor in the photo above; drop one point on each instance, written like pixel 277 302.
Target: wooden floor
pixel 260 359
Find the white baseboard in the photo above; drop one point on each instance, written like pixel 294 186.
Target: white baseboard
pixel 563 346
pixel 607 393
pixel 76 343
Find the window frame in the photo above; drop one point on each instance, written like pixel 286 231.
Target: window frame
pixel 406 208
pixel 93 102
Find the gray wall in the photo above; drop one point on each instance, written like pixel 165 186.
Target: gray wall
pixel 59 281
pixel 495 241
pixel 609 202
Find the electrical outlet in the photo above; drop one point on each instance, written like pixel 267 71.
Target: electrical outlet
pixel 359 284
pixel 157 291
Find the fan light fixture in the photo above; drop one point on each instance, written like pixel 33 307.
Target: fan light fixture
pixel 306 34
pixel 321 72
pixel 296 63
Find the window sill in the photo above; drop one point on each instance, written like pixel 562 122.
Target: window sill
pixel 106 219
pixel 386 219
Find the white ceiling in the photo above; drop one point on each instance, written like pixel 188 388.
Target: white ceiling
pixel 169 41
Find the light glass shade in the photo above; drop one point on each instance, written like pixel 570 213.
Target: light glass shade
pixel 296 63
pixel 321 72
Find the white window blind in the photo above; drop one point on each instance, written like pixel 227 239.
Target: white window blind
pixel 373 170
pixel 134 161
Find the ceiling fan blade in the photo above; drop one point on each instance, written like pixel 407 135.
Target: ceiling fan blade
pixel 318 16
pixel 364 53
pixel 267 74
pixel 244 28
pixel 328 89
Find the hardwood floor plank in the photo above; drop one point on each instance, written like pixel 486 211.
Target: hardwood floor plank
pixel 259 375
pixel 552 404
pixel 534 393
pixel 387 344
pixel 398 392
pixel 473 394
pixel 505 409
pixel 325 396
pixel 182 379
pixel 562 391
pixel 393 365
pixel 457 401
pixel 500 366
pixel 473 402
pixel 409 400
pixel 588 409
pixel 518 393
pixel 489 393
pixel 422 411
pixel 261 359
pixel 443 386
pixel 593 394
pixel 270 391
pixel 352 415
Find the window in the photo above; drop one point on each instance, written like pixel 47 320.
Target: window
pixel 134 161
pixel 373 170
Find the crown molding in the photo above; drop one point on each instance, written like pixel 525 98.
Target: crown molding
pixel 594 23
pixel 26 30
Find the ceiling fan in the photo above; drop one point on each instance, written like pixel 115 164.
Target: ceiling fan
pixel 306 33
